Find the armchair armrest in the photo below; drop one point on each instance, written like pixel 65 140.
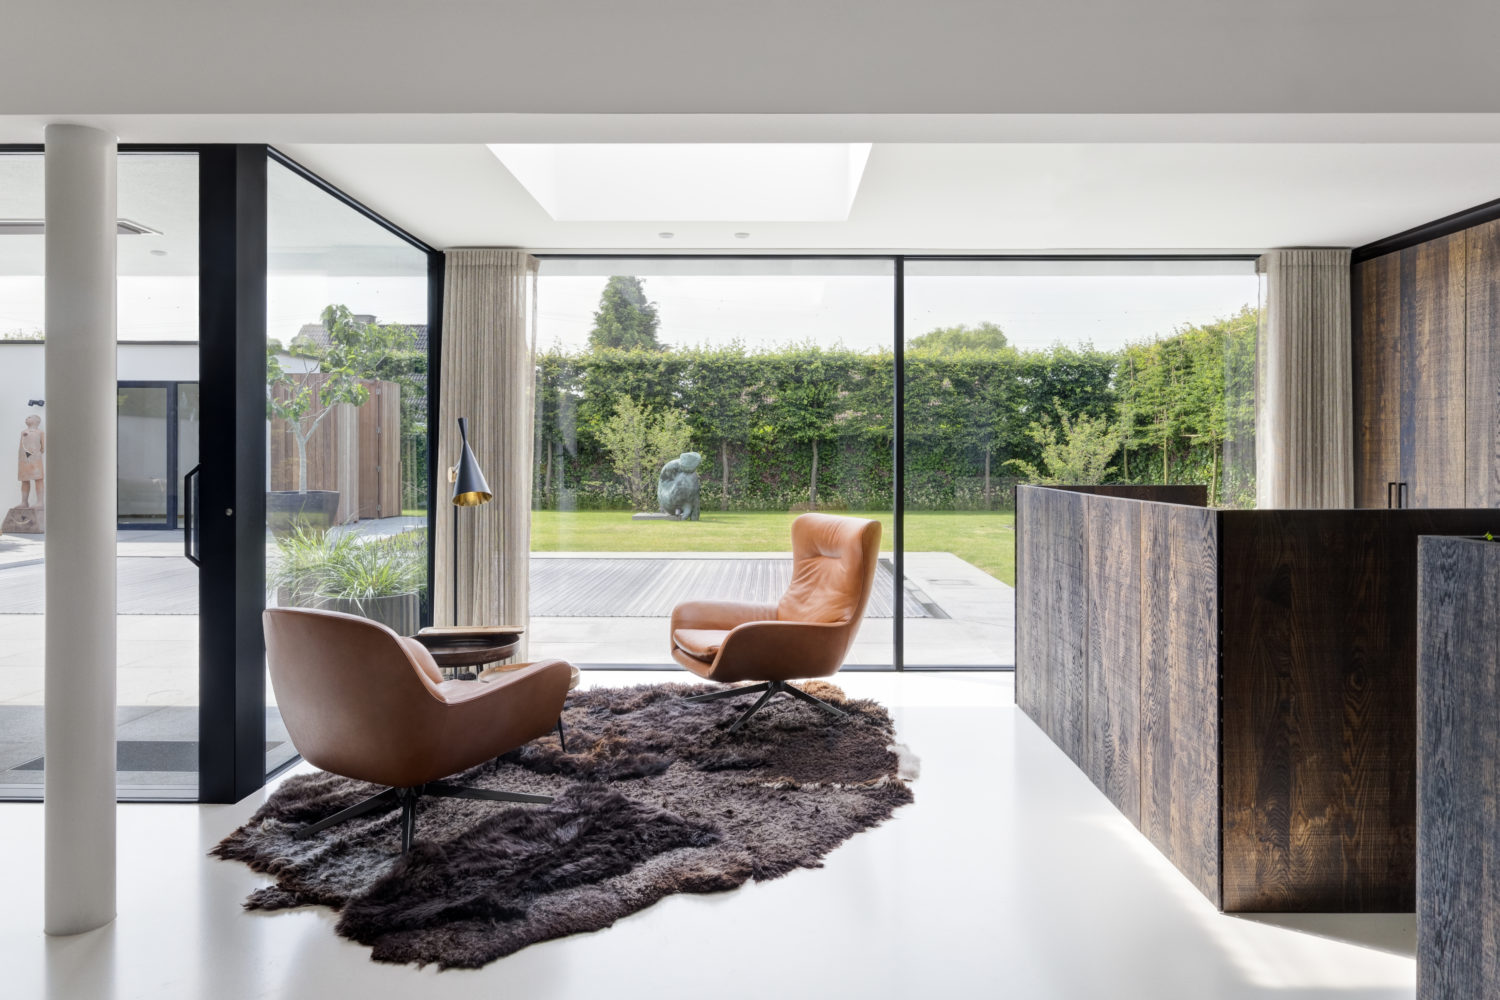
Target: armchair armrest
pixel 777 650
pixel 720 614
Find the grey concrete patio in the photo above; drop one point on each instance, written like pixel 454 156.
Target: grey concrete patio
pixel 593 608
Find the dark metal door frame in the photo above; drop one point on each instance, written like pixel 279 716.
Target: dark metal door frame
pixel 231 508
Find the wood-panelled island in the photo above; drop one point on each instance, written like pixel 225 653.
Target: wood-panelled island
pixel 1241 684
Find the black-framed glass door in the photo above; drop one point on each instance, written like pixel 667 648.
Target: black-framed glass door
pixel 157 436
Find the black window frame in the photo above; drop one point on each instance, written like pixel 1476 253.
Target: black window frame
pixel 232 268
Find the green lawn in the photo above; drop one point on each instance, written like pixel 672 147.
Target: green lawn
pixel 984 539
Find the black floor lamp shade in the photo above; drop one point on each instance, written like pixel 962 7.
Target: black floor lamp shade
pixel 469 487
pixel 469 490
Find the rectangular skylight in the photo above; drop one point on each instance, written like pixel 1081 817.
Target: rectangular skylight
pixel 689 182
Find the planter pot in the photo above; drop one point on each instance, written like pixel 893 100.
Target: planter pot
pixel 286 508
pixel 400 612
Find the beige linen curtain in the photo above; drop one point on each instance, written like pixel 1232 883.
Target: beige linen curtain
pixel 489 320
pixel 1304 455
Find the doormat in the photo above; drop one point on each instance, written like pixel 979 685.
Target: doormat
pixel 147 755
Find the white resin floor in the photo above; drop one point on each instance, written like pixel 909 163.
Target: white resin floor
pixel 1010 876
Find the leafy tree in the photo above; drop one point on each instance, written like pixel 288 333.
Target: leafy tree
pixel 639 441
pixel 355 352
pixel 624 318
pixel 986 336
pixel 1075 451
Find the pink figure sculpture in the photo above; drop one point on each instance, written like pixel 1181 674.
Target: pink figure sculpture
pixel 29 467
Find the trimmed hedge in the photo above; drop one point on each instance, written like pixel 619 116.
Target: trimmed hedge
pixel 767 411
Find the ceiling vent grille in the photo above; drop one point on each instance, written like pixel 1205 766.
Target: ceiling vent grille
pixel 36 227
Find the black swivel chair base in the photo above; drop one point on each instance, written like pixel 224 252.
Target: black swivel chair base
pixel 407 799
pixel 771 689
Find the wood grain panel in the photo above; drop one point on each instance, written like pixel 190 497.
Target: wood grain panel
pixel 1433 362
pixel 1482 348
pixel 389 467
pixel 380 451
pixel 1319 682
pixel 1191 495
pixel 1179 689
pixel 1067 624
pixel 1114 652
pixel 369 453
pixel 1031 546
pixel 1377 378
pixel 1458 847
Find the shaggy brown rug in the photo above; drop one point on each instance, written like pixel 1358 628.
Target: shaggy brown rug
pixel 654 798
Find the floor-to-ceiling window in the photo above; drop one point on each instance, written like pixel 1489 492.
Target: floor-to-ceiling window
pixel 157 365
pixel 1064 371
pixel 780 375
pixel 776 376
pixel 347 405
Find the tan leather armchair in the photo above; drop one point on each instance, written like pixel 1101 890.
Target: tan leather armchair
pixel 806 634
pixel 359 700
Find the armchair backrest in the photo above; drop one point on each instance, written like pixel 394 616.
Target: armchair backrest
pixel 350 692
pixel 833 569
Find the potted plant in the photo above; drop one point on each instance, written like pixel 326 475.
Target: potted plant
pixel 334 373
pixel 377 578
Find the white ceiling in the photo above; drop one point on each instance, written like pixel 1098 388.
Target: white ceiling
pixel 995 197
pixel 1024 125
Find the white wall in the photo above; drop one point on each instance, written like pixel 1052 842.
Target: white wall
pixel 158 362
pixel 22 378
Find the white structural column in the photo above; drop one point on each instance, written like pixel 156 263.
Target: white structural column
pixel 80 688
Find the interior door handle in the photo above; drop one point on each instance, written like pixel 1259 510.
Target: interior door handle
pixel 189 515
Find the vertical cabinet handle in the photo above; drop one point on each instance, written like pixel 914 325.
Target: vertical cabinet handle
pixel 1401 495
pixel 1388 487
pixel 190 515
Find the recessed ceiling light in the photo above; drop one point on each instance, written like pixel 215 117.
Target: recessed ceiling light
pixel 690 182
pixel 666 236
pixel 742 236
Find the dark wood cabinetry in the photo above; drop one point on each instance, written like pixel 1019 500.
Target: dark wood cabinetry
pixel 1241 684
pixel 1482 398
pixel 1377 379
pixel 1426 357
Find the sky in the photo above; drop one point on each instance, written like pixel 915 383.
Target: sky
pixel 166 308
pixel 1035 311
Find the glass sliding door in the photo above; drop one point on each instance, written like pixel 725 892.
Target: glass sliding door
pixel 22 552
pixel 347 394
pixel 1070 371
pixel 778 375
pixel 157 595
